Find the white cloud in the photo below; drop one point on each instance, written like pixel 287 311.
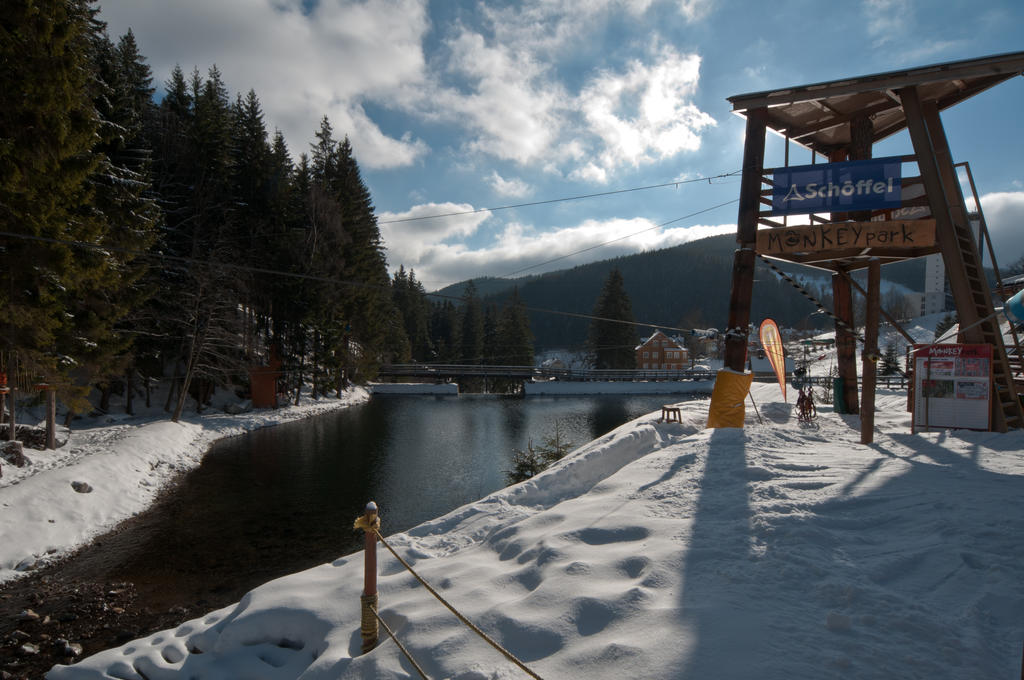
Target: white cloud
pixel 590 173
pixel 500 84
pixel 886 19
pixel 514 187
pixel 1004 214
pixel 509 103
pixel 662 123
pixel 410 239
pixel 301 66
pixel 694 10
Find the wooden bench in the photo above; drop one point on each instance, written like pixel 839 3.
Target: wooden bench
pixel 670 414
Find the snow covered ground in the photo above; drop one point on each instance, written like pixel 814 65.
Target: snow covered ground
pixel 660 550
pixel 125 460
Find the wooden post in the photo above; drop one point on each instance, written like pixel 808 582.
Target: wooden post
pixel 3 401
pixel 746 238
pixel 870 356
pixel 3 394
pixel 51 418
pixel 368 601
pixel 10 419
pixel 846 343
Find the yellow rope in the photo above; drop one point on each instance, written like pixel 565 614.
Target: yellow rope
pixel 401 646
pixel 508 655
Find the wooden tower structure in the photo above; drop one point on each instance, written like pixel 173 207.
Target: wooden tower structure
pixel 839 121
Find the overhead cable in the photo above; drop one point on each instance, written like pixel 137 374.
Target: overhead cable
pixel 560 200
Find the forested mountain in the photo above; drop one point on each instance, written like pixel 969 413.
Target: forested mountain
pixel 176 241
pixel 685 286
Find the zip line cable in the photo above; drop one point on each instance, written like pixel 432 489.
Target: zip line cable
pixel 561 200
pixel 307 277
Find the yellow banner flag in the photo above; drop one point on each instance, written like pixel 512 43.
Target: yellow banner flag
pixel 771 341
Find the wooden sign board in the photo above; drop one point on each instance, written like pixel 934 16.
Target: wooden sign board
pixel 909 234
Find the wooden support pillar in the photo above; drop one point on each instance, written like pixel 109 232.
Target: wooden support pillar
pixel 746 239
pixel 10 418
pixel 870 356
pixel 861 130
pixel 859 149
pixel 923 138
pixel 3 401
pixel 51 418
pixel 846 343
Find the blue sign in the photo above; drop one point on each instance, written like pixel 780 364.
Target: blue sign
pixel 837 187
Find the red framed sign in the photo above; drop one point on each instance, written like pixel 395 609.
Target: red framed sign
pixel 953 386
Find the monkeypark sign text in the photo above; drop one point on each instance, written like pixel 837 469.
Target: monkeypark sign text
pixel 908 234
pixel 837 187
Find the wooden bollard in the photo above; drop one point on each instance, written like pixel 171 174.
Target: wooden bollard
pixel 368 627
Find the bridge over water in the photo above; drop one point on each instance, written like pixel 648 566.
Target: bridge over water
pixel 447 372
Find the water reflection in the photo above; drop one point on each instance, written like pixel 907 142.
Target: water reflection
pixel 282 499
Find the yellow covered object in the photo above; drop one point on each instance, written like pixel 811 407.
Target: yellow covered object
pixel 727 398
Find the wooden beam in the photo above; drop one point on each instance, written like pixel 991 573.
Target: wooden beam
pixel 940 203
pixel 798 134
pixel 870 356
pixel 846 343
pixel 1002 67
pixel 746 237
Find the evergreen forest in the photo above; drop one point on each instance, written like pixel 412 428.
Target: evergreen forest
pixel 171 236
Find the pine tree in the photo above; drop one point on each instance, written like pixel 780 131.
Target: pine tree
pixel 103 324
pixel 515 338
pixel 410 299
pixel 253 234
pixel 471 327
pixel 367 306
pixel 890 360
pixel 48 127
pixel 444 323
pixel 492 343
pixel 613 337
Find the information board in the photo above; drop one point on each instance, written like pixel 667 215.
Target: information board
pixel 952 386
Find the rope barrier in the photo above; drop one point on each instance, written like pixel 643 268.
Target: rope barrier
pixel 387 629
pixel 508 655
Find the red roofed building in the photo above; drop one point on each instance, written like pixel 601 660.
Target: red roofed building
pixel 661 352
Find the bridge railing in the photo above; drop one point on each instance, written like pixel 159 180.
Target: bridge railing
pixel 538 372
pixel 444 371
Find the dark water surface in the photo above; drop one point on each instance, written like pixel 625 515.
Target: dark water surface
pixel 282 499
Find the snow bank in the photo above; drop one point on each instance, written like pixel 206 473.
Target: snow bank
pixel 126 462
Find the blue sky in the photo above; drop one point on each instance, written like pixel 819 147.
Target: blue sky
pixel 456 106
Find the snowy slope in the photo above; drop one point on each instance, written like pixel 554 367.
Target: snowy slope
pixel 670 551
pixel 126 461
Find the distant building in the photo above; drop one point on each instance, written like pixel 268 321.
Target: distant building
pixel 660 352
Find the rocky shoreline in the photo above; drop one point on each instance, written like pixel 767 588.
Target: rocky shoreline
pixel 46 620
